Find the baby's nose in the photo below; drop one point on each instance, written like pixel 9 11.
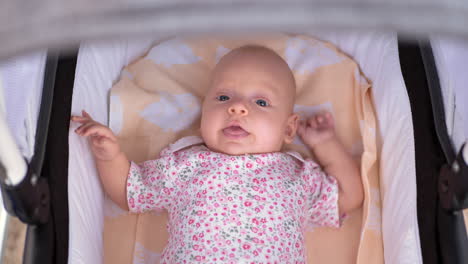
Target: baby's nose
pixel 238 109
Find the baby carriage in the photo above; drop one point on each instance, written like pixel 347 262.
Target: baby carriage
pixel 35 158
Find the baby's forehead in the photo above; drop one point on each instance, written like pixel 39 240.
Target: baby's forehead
pixel 251 55
pixel 259 62
pixel 253 60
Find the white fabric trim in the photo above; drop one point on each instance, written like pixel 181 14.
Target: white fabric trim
pixel 451 55
pixel 3 213
pixel 98 67
pixel 10 156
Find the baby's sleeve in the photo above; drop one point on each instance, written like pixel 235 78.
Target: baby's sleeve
pixel 322 198
pixel 149 184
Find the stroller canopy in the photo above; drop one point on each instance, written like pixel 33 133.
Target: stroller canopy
pixel 27 25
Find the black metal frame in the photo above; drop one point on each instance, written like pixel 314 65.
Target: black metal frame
pixel 41 199
pixel 442 229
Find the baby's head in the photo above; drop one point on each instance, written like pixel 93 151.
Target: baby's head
pixel 249 105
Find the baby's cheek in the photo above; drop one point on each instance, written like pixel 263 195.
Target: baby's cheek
pixel 271 134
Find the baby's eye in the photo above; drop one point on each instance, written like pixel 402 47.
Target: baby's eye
pixel 261 102
pixel 223 98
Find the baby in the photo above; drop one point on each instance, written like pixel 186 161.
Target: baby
pixel 233 196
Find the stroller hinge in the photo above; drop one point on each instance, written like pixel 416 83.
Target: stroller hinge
pixel 453 182
pixel 29 200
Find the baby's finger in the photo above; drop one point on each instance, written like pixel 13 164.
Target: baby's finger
pixel 81 129
pixel 85 114
pixel 319 119
pixel 99 130
pixel 102 142
pixel 329 119
pixel 301 128
pixel 79 119
pixel 312 122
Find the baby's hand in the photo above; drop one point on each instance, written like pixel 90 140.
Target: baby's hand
pixel 103 142
pixel 317 129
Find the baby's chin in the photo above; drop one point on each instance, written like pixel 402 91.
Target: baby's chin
pixel 234 149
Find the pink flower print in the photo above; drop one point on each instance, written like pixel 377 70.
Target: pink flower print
pixel 234 219
pixel 249 165
pixel 255 252
pixel 246 246
pixel 254 229
pixel 247 203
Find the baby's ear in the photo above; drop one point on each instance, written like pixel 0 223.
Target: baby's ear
pixel 291 128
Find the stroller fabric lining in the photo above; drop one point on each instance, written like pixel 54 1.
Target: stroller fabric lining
pixel 377 57
pixel 158 100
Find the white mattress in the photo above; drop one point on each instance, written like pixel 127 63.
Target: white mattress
pixel 99 66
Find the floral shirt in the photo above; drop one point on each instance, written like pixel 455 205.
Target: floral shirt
pixel 233 209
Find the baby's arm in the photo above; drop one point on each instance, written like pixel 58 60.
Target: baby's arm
pixel 318 133
pixel 111 163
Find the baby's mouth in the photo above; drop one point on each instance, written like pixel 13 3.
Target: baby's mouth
pixel 235 132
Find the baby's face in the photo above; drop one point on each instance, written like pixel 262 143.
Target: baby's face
pixel 248 108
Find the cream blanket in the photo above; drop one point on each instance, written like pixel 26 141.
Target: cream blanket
pixel 158 100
